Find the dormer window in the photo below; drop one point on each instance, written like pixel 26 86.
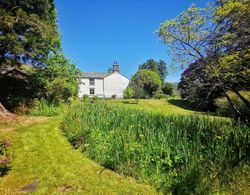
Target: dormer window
pixel 91 81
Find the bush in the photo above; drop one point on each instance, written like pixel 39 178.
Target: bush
pixel 225 109
pixel 145 83
pixel 113 96
pixel 4 157
pixel 85 98
pixel 44 108
pixel 168 88
pixel 128 93
pixel 131 101
pixel 159 95
pixel 178 154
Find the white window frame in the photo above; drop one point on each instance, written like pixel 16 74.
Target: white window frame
pixel 91 81
pixel 90 91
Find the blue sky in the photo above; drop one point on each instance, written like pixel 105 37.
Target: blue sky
pixel 97 32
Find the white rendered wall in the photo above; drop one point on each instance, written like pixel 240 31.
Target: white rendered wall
pixel 84 87
pixel 115 84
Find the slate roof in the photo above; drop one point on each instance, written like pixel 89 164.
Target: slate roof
pixel 100 75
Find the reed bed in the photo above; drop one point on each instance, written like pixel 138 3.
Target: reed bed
pixel 178 154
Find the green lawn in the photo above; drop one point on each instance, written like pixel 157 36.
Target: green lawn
pixel 170 107
pixel 42 157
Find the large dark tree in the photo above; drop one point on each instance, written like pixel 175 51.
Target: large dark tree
pixel 198 88
pixel 29 35
pixel 28 32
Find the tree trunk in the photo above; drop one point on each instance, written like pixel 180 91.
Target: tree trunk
pixel 237 112
pixel 4 113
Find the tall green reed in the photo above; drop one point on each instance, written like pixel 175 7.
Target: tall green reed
pixel 179 154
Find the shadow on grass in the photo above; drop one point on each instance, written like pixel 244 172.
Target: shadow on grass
pixel 182 104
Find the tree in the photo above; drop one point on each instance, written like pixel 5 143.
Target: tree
pixel 187 35
pixel 145 83
pixel 59 79
pixel 168 88
pixel 158 67
pixel 28 32
pixel 196 87
pixel 129 93
pixel 213 35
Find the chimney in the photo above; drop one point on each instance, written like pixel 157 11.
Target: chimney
pixel 110 71
pixel 116 67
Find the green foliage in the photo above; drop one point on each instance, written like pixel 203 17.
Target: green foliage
pixel 113 96
pixel 168 88
pixel 196 87
pixel 59 79
pixel 224 108
pixel 128 93
pixel 187 35
pixel 178 154
pixel 58 166
pixel 159 95
pixel 28 31
pixel 44 108
pixel 4 157
pixel 29 34
pixel 158 67
pixel 131 101
pixel 145 83
pixel 219 37
pixel 85 98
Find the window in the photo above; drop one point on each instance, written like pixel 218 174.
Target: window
pixel 91 81
pixel 92 91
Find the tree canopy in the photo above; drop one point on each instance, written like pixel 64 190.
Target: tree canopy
pixel 29 35
pixel 144 83
pixel 219 37
pixel 158 67
pixel 28 32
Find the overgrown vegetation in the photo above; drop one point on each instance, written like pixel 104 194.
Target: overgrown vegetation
pixel 4 157
pixel 45 108
pixel 178 154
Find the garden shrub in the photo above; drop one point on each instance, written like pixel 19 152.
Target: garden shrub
pixel 44 108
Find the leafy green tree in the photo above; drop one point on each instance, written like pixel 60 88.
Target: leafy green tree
pixel 216 36
pixel 187 35
pixel 28 32
pixel 59 79
pixel 129 93
pixel 158 67
pixel 145 83
pixel 168 88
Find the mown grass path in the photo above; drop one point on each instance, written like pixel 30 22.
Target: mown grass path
pixel 43 162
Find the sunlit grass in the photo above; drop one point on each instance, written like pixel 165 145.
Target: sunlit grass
pixel 41 153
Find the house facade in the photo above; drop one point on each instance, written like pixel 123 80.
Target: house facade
pixel 103 84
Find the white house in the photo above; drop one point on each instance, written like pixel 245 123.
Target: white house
pixel 103 84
